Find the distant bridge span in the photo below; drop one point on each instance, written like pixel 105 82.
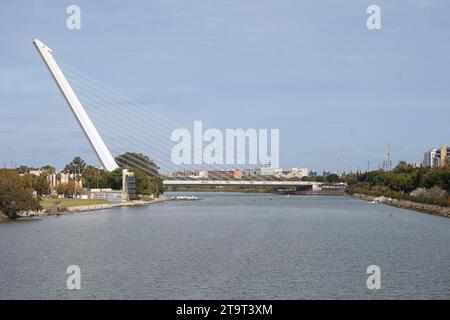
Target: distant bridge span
pixel 298 185
pixel 242 182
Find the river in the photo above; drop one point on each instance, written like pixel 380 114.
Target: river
pixel 230 246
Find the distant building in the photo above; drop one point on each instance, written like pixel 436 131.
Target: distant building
pixel 312 173
pixel 52 180
pixel 436 157
pixel 237 174
pixel 36 172
pixel 250 172
pixel 195 174
pixel 299 172
pixel 65 177
pixel 292 173
pixel 203 174
pixel 442 154
pixel 267 171
pixel 428 158
pixel 109 194
pixel 221 174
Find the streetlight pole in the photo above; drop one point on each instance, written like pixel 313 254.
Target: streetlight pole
pixel 337 166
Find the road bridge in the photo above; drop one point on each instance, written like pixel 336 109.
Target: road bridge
pixel 290 187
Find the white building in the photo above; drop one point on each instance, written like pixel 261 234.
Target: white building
pixel 292 173
pixel 65 177
pixel 428 158
pixel 268 171
pixel 436 157
pixel 36 172
pixel 203 174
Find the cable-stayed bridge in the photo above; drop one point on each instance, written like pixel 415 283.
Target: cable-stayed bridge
pixel 105 96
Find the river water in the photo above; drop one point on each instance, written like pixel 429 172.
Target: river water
pixel 230 246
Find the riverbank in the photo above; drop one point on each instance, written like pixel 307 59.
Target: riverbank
pixel 114 205
pixel 426 208
pixel 85 208
pixel 60 204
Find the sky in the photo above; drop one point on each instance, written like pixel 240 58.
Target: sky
pixel 311 69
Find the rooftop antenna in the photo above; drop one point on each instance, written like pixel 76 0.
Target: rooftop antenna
pixel 102 152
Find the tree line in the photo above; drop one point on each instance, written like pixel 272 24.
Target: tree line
pixel 405 178
pixel 21 191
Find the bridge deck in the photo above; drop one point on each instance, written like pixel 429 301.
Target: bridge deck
pixel 247 183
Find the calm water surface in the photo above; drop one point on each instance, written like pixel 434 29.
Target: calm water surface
pixel 230 246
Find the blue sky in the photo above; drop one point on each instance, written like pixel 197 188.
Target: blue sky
pixel 310 68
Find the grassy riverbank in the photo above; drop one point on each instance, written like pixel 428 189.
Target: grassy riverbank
pixel 77 205
pixel 49 203
pixel 70 206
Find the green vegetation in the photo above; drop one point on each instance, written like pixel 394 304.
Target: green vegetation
pixel 138 160
pixel 401 181
pixel 49 203
pixel 40 184
pixel 22 190
pixel 434 200
pixel 77 165
pixel 148 179
pixel 16 193
pixel 68 189
pixel 331 178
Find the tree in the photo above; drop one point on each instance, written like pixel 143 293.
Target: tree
pixel 148 179
pixel 77 165
pixel 138 160
pixel 23 169
pixel 94 177
pixel 332 178
pixel 376 178
pixel 419 179
pixel 438 177
pixel 403 167
pixel 402 182
pixel 48 169
pixel 68 188
pixel 142 182
pixel 40 184
pixel 156 186
pixel 350 178
pixel 113 179
pixel 319 179
pixel 16 193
